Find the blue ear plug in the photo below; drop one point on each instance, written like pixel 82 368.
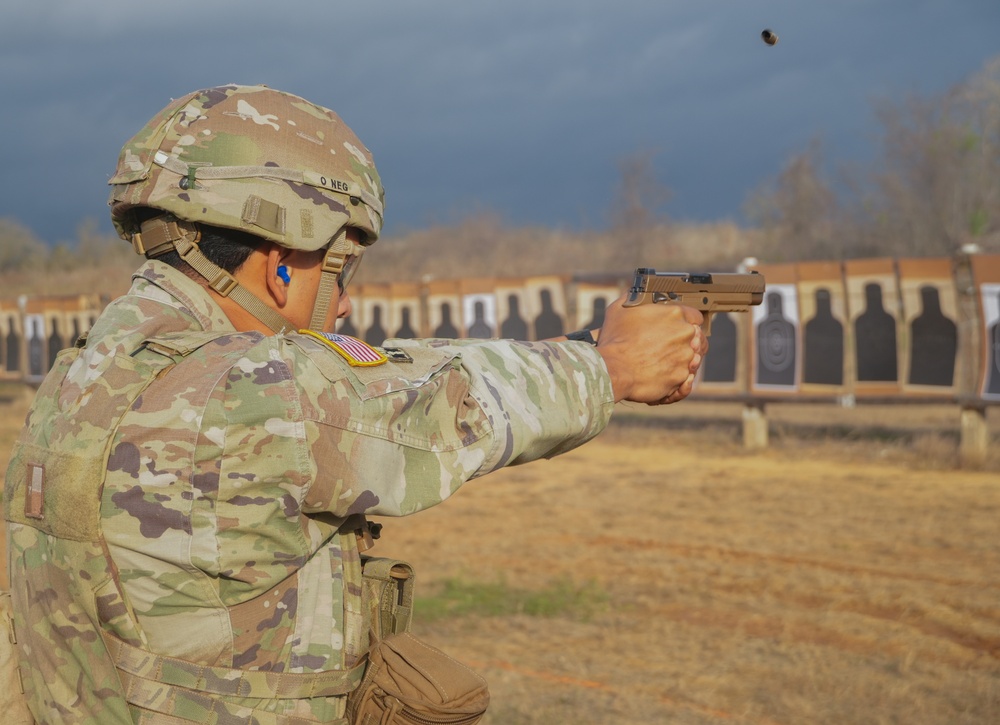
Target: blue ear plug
pixel 283 274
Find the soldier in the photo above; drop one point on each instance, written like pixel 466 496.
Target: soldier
pixel 183 503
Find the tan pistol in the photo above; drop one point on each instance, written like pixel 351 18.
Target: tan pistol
pixel 709 292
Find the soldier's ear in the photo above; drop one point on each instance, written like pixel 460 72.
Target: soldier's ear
pixel 277 275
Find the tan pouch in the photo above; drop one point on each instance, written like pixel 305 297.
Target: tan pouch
pixel 12 701
pixel 408 681
pixel 386 596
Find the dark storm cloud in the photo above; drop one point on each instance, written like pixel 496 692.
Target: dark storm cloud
pixel 519 106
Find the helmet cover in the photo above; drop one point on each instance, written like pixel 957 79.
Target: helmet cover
pixel 252 159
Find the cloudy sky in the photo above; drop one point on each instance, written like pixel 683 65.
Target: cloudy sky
pixel 521 107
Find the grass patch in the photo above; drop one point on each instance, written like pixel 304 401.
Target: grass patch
pixel 562 598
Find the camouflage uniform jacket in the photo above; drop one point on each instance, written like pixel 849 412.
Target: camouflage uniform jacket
pixel 179 489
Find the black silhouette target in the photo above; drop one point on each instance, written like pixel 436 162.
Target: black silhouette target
pixel 875 339
pixel 991 320
pixel 446 328
pixel 823 356
pixel 777 353
pixel 993 388
pixel 933 342
pixel 514 327
pixel 480 314
pixel 776 343
pixel 720 362
pixel 376 334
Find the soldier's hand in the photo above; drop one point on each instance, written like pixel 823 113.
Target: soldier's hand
pixel 652 351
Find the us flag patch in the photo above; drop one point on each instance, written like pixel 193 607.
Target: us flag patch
pixel 356 352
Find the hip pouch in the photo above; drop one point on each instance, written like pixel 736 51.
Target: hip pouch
pixel 408 681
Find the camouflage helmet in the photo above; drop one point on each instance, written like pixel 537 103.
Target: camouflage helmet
pixel 253 159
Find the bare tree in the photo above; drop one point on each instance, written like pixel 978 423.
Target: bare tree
pixel 95 248
pixel 796 211
pixel 20 249
pixel 938 186
pixel 934 189
pixel 980 101
pixel 636 212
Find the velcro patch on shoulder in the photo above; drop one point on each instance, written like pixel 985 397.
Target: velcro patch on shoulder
pixel 354 351
pixel 396 354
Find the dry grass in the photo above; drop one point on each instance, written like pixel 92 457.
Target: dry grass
pixel 811 583
pixel 834 578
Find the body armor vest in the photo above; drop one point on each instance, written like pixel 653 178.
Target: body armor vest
pixel 84 658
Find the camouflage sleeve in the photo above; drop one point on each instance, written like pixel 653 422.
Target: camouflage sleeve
pixel 541 398
pixel 408 435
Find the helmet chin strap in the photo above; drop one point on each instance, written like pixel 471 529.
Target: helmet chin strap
pixel 333 264
pixel 163 233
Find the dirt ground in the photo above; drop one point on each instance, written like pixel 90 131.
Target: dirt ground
pixel 848 574
pixel 826 580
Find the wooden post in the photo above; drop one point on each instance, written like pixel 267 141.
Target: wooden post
pixel 754 426
pixel 975 440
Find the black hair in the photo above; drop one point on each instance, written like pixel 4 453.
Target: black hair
pixel 226 248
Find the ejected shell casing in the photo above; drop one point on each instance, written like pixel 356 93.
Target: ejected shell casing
pixel 769 36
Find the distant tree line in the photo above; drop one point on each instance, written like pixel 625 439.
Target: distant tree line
pixel 96 262
pixel 22 251
pixel 934 189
